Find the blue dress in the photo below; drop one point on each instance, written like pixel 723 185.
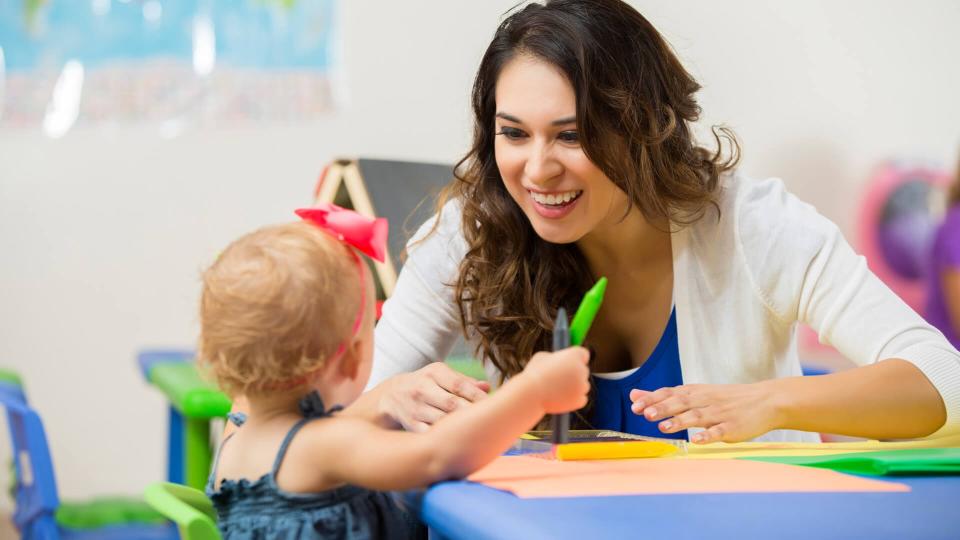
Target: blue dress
pixel 248 510
pixel 611 408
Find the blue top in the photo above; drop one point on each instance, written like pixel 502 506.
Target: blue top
pixel 611 409
pixel 259 509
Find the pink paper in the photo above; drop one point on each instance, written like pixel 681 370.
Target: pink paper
pixel 529 477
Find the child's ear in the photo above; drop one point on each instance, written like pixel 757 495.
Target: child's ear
pixel 350 361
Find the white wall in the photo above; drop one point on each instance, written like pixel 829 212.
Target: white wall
pixel 103 234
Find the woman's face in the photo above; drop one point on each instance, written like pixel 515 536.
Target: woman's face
pixel 563 194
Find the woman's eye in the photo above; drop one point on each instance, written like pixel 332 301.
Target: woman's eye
pixel 569 136
pixel 511 133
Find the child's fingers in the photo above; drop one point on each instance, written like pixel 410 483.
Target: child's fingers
pixel 636 395
pixel 580 353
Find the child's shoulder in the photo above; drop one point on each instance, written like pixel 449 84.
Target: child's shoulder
pixel 310 463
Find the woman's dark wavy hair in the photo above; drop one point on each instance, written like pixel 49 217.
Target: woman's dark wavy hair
pixel 634 106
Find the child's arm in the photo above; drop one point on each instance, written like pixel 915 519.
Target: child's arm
pixel 459 443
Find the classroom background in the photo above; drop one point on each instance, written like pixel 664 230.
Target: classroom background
pixel 104 230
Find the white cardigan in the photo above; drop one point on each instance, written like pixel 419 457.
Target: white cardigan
pixel 741 284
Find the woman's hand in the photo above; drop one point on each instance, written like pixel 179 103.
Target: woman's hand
pixel 417 400
pixel 727 412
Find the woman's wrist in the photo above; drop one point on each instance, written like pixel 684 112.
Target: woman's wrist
pixel 781 395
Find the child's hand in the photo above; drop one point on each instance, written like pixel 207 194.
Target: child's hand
pixel 562 378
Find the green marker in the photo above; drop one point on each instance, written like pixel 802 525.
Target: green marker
pixel 587 311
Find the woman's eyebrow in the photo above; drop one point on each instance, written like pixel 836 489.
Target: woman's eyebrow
pixel 558 122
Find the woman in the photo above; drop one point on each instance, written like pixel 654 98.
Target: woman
pixel 584 165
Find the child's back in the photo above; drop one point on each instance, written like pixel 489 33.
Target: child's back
pixel 284 502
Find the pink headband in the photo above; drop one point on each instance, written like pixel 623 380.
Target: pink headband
pixel 366 234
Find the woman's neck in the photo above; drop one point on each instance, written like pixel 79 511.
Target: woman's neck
pixel 628 246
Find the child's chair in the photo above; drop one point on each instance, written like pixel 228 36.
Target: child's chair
pixel 189 508
pixel 38 513
pixel 11 383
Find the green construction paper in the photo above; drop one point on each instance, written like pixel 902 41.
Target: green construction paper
pixel 939 461
pixel 188 392
pixel 104 512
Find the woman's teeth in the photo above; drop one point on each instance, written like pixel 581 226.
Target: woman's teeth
pixel 556 199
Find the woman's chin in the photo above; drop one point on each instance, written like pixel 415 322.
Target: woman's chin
pixel 555 233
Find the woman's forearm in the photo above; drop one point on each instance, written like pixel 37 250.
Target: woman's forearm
pixel 891 399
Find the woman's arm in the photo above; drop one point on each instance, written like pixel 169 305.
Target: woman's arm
pixel 420 324
pixel 459 443
pixel 804 270
pixel 891 399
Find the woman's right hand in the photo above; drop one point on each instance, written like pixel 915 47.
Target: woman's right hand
pixel 419 399
pixel 562 378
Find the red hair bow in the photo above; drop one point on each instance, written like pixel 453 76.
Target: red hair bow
pixel 369 235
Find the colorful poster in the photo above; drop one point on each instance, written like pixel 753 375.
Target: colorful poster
pixel 173 63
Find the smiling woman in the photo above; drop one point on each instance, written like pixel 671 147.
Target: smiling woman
pixel 583 164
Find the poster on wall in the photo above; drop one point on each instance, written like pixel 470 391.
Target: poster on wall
pixel 169 64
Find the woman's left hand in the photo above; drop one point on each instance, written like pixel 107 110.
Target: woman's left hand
pixel 727 412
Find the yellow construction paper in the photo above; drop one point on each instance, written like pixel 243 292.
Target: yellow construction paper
pixel 763 449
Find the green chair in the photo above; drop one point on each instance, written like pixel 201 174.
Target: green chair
pixel 189 508
pixel 193 403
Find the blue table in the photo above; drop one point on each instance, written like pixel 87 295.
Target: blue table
pixel 468 510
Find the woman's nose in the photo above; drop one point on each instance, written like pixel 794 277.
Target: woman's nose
pixel 541 164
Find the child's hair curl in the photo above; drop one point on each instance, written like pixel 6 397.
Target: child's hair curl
pixel 275 305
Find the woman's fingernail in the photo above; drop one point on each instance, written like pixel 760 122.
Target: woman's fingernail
pixel 651 413
pixel 666 425
pixel 698 437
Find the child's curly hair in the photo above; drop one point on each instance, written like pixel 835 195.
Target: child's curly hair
pixel 275 304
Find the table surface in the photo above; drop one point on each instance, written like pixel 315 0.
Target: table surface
pixel 930 510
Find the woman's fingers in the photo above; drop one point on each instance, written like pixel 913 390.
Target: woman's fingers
pixel 455 383
pixel 430 392
pixel 646 399
pixel 638 395
pixel 716 433
pixel 697 417
pixel 667 402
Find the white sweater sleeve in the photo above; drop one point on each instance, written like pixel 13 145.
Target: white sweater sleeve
pixel 420 321
pixel 804 270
